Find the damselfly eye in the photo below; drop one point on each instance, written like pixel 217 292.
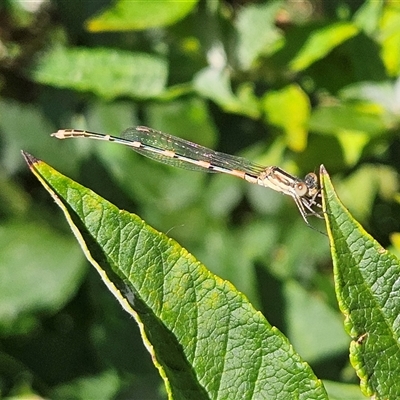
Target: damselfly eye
pixel 301 189
pixel 311 180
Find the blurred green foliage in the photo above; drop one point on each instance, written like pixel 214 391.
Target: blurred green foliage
pixel 288 83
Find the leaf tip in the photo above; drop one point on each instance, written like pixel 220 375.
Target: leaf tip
pixel 324 177
pixel 29 158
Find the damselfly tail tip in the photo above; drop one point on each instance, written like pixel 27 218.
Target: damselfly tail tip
pixel 60 134
pixel 57 134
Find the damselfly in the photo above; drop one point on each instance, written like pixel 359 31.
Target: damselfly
pixel 175 151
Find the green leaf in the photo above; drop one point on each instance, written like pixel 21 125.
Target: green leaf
pixel 367 287
pixel 15 117
pixel 389 37
pixel 125 15
pixel 257 31
pixel 322 42
pixel 27 255
pixel 204 336
pixel 109 73
pixel 382 94
pixel 368 16
pixel 353 126
pixel 340 391
pixel 215 85
pixel 103 386
pixel 289 108
pixel 347 117
pixel 370 180
pixel 303 309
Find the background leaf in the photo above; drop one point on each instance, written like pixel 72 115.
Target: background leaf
pixel 108 73
pixel 124 15
pixel 293 114
pixel 214 84
pixel 25 246
pixel 321 42
pixel 254 21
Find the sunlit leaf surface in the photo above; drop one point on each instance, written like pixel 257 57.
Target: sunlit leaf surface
pixel 205 337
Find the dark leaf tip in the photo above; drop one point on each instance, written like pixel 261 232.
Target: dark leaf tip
pixel 29 158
